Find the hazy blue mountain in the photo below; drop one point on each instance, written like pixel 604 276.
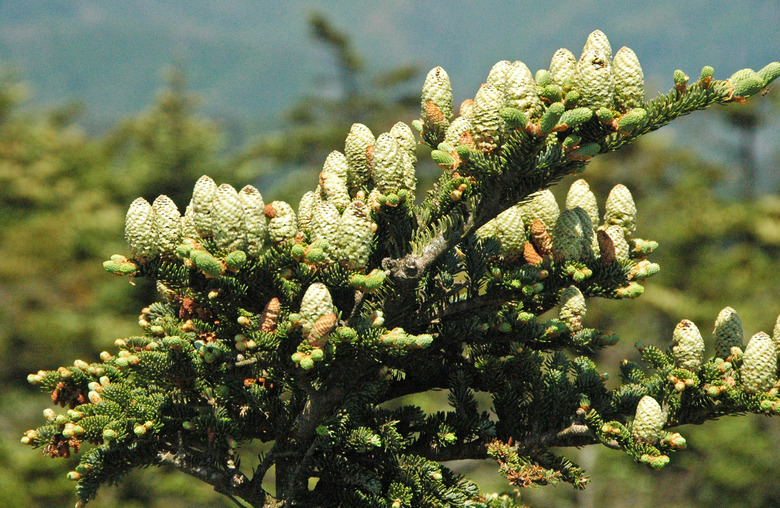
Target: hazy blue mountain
pixel 249 59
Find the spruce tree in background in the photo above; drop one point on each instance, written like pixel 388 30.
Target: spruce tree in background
pixel 296 328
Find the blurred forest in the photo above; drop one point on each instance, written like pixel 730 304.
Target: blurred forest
pixel 64 193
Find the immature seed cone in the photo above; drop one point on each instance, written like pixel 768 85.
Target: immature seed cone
pixel 254 226
pixel 727 333
pixel 200 204
pixel 167 224
pixel 460 126
pixel 542 206
pixel 629 80
pixel 520 91
pixel 617 239
pixel 387 171
pixel 437 89
pixel 334 189
pixel 282 224
pixel 306 210
pixel 139 230
pixel 563 67
pixel 487 123
pixel 270 315
pixel 355 236
pixel 598 40
pixel 227 215
pixel 759 364
pixel 594 80
pixel 572 308
pixel 510 231
pixel 649 420
pixel 688 350
pixel 336 162
pixel 541 238
pixel 580 196
pixel 326 223
pixel 316 303
pixel 569 237
pixel 620 209
pixel 358 140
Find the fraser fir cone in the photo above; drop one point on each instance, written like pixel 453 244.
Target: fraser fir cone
pixel 282 224
pixel 520 91
pixel 572 308
pixel 620 209
pixel 688 350
pixel 404 137
pixel 270 315
pixel 355 236
pixel 466 108
pixel 202 196
pixel 649 420
pixel 498 75
pixel 510 231
pixel 542 206
pixel 590 243
pixel 357 142
pixel 387 171
pixel 167 224
pixel 487 123
pixel 569 241
pixel 227 217
pixel 254 225
pixel 316 303
pixel 618 241
pixel 759 364
pixel 437 89
pixel 746 82
pixel 598 40
pixel 629 80
pixel 306 210
pixel 336 162
pixel 727 333
pixel 139 230
pixel 579 195
pixel 326 223
pixel 334 189
pixel 454 135
pixel 594 80
pixel 563 67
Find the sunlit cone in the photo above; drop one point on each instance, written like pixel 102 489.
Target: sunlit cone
pixel 167 224
pixel 540 237
pixel 306 210
pixel 387 171
pixel 563 67
pixel 598 40
pixel 569 241
pixel 572 308
pixel 270 315
pixel 580 195
pixel 316 303
pixel 326 223
pixel 282 224
pixel 358 140
pixel 334 189
pixel 520 91
pixel 629 80
pixel 139 229
pixel 649 420
pixel 759 364
pixel 688 350
pixel 594 80
pixel 336 162
pixel 487 123
pixel 455 131
pixel 510 231
pixel 727 333
pixel 318 336
pixel 498 75
pixel 202 196
pixel 355 236
pixel 542 206
pixel 254 219
pixel 620 209
pixel 776 335
pixel 227 218
pixel 618 240
pixel 437 89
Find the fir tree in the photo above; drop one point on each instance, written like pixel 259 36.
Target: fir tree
pixel 296 327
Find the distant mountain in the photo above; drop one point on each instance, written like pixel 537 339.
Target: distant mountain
pixel 251 59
